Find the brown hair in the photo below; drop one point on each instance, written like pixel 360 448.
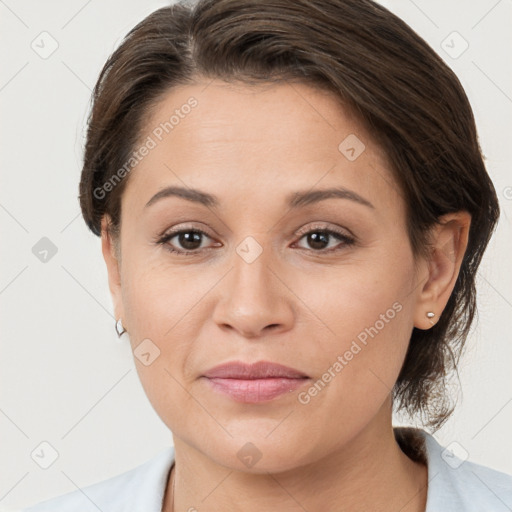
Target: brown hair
pixel 407 98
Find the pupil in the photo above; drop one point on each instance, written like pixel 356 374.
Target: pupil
pixel 318 238
pixel 190 237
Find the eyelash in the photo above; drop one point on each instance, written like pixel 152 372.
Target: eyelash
pixel 347 240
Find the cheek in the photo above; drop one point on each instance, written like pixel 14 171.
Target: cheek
pixel 167 308
pixel 160 310
pixel 159 298
pixel 369 315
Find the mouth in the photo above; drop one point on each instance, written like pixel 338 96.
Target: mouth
pixel 252 383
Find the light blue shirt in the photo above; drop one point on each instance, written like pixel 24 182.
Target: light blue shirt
pixel 454 484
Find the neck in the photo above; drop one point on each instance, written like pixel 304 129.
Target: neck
pixel 371 473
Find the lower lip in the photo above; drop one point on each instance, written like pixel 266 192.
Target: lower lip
pixel 256 390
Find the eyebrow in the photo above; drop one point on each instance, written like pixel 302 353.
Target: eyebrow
pixel 294 200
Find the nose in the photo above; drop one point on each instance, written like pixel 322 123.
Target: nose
pixel 254 301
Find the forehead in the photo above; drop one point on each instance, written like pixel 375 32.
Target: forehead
pixel 292 110
pixel 220 137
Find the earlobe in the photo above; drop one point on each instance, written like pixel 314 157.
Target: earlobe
pixel 448 242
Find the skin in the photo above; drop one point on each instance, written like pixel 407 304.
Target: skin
pixel 295 304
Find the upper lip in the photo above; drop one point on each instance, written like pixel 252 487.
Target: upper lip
pixel 258 370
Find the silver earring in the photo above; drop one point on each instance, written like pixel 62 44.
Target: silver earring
pixel 430 314
pixel 120 330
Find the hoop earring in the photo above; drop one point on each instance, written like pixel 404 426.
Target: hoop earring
pixel 120 330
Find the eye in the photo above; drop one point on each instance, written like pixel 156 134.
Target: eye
pixel 320 238
pixel 189 239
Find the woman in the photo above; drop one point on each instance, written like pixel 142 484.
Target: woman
pixel 293 206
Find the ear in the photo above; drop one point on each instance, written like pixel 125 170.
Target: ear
pixel 448 242
pixel 111 255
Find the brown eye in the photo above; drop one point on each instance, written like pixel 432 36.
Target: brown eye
pixel 318 240
pixel 187 241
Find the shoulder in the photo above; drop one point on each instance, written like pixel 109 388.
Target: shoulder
pixel 140 488
pixel 456 483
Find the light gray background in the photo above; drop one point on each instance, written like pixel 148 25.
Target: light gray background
pixel 64 377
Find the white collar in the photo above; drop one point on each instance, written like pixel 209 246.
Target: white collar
pixel 454 484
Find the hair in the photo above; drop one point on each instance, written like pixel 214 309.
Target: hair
pixel 410 102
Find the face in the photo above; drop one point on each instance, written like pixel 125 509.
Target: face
pixel 322 284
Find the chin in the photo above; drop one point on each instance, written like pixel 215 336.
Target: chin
pixel 257 454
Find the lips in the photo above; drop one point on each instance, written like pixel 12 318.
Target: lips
pixel 252 383
pixel 258 370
